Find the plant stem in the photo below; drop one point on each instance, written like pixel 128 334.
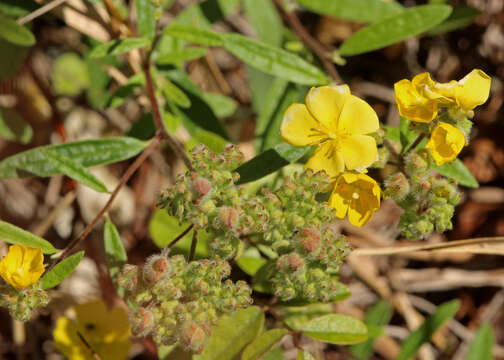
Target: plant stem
pixel 323 54
pixel 417 141
pixel 170 245
pixel 193 246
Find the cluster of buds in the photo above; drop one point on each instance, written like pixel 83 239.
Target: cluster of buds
pixel 428 202
pixel 177 301
pixel 21 303
pixel 288 220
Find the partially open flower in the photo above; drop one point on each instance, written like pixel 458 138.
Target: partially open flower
pixel 22 266
pixel 357 195
pixel 445 143
pixel 339 123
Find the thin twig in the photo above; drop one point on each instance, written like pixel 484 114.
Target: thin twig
pixel 170 245
pixel 417 141
pixel 323 54
pixel 40 11
pixel 194 242
pixel 129 172
pixel 86 344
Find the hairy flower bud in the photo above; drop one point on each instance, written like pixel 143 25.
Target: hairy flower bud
pixel 142 322
pixel 229 217
pixel 309 239
pixel 193 336
pixel 397 186
pixel 201 185
pixel 128 277
pixel 156 268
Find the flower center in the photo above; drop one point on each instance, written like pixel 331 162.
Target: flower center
pixel 355 196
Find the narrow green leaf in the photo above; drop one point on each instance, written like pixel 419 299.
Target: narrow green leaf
pixel 366 11
pixel 114 248
pixel 410 22
pixel 14 235
pixel 118 47
pixel 17 8
pixel 126 90
pixel 61 271
pixel 194 35
pixel 304 355
pixel 261 281
pixel 378 315
pixel 262 344
pixel 11 65
pixel 14 33
pixel 232 334
pixel 179 56
pixel 250 261
pixel 13 127
pixel 270 161
pixel 223 106
pixel 86 153
pixel 482 344
pixel 298 316
pixel 420 336
pixel 273 60
pixel 74 170
pixel 460 17
pixel 264 17
pixel 336 329
pixel 275 354
pixel 146 18
pixel 173 93
pixel 457 170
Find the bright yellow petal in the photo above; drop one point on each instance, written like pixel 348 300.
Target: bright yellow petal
pixel 22 266
pixel 337 200
pixel 68 342
pixel 327 158
pixel 413 105
pixel 445 143
pixel 299 128
pixel 474 90
pixel 326 102
pixel 357 117
pixel 359 151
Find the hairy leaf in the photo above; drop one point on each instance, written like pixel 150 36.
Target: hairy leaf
pixel 15 235
pixel 61 271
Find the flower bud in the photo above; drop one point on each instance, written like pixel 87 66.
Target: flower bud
pixel 156 268
pixel 142 322
pixel 309 239
pixel 397 186
pixel 128 277
pixel 201 186
pixel 417 161
pixel 229 217
pixel 193 336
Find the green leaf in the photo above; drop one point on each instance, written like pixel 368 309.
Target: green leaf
pixel 262 344
pixel 425 331
pixel 14 33
pixel 74 170
pixel 126 90
pixel 410 22
pixel 97 92
pixel 194 35
pixel 17 8
pixel 366 11
pixel 164 228
pixel 213 141
pixel 304 355
pixel 13 127
pixel 457 170
pixel 223 106
pixel 264 17
pixel 61 271
pixel 118 47
pixel 11 65
pixel 179 56
pixel 173 93
pixel 144 128
pixel 460 17
pixel 146 18
pixel 378 315
pixel 69 75
pixel 86 153
pixel 482 344
pixel 232 334
pixel 270 161
pixel 273 60
pixel 250 261
pixel 14 235
pixel 114 248
pixel 298 316
pixel 336 329
pixel 275 354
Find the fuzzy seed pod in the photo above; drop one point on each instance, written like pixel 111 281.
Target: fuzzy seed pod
pixel 142 322
pixel 156 268
pixel 397 186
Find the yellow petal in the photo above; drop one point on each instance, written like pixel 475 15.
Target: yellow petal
pixel 326 102
pixel 68 342
pixel 299 128
pixel 327 158
pixel 473 90
pixel 357 117
pixel 359 151
pixel 22 266
pixel 445 143
pixel 413 105
pixel 338 202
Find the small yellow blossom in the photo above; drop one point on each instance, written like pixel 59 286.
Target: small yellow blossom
pixel 357 195
pixel 22 266
pixel 105 332
pixel 420 98
pixel 339 123
pixel 445 143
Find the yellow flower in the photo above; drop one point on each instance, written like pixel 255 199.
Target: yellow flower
pixel 338 123
pixel 106 332
pixel 419 99
pixel 445 143
pixel 22 266
pixel 357 195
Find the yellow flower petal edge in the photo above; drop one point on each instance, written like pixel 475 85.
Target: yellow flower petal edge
pixel 22 266
pixel 445 143
pixel 473 90
pixel 412 104
pixel 339 123
pixel 356 195
pixel 107 332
